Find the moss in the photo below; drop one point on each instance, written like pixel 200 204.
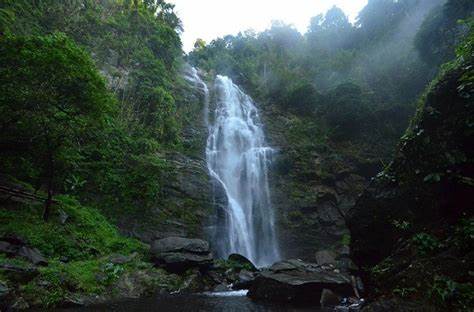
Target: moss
pixel 85 234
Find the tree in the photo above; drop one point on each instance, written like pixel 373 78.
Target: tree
pixel 51 100
pixel 199 44
pixel 331 31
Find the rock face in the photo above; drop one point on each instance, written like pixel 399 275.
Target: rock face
pixel 177 254
pixel 406 221
pixel 294 281
pixel 312 188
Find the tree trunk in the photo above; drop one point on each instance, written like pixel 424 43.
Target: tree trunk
pixel 49 200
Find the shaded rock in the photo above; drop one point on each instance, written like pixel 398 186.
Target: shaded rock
pixel 346 263
pixel 121 259
pixel 396 305
pixel 193 283
pixel 71 301
pixel 328 298
pixel 221 287
pixel 242 261
pixel 20 304
pixel 33 255
pixel 18 274
pixel 295 281
pixel 177 254
pixel 350 305
pixel 244 280
pixel 14 246
pixel 4 290
pixel 325 257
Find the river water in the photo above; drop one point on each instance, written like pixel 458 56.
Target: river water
pixel 220 302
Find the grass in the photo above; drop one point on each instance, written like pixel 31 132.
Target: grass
pixel 78 253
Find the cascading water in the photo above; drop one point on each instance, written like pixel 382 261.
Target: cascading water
pixel 237 158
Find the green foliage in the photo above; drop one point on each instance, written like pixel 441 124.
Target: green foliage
pixel 441 31
pixel 446 291
pixel 233 265
pixel 45 121
pixel 401 225
pixel 426 243
pixel 85 235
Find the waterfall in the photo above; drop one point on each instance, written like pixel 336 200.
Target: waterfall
pixel 237 159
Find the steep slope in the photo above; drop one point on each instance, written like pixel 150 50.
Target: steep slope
pixel 412 229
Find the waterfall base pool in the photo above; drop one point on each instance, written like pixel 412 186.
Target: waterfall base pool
pixel 214 302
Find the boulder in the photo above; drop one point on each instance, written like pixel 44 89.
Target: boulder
pixel 177 254
pixel 244 280
pixel 17 273
pixel 242 261
pixel 328 298
pixel 294 281
pixel 14 246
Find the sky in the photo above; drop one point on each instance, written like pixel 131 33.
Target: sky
pixel 210 19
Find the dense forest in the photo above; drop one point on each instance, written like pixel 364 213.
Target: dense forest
pixel 102 150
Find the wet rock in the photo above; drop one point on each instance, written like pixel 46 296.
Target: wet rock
pixel 177 254
pixel 17 273
pixel 350 305
pixel 221 287
pixel 244 280
pixel 295 281
pixel 325 257
pixel 242 261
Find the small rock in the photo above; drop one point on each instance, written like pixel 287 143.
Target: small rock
pixel 244 280
pixel 20 304
pixel 121 259
pixel 4 290
pixel 64 259
pixel 63 217
pixel 221 288
pixel 33 255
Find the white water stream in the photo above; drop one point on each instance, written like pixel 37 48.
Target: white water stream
pixel 237 158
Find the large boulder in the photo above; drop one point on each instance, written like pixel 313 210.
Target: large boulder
pixel 295 281
pixel 177 254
